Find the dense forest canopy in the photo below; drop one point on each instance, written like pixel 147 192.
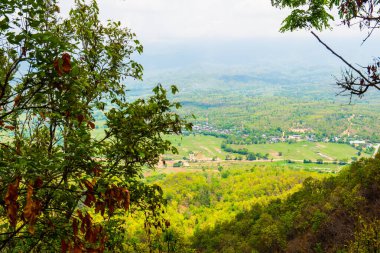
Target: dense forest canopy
pixel 337 214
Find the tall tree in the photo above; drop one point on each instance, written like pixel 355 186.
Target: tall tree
pixel 317 14
pixel 61 188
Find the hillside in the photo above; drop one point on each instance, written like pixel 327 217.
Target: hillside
pixel 204 195
pixel 337 214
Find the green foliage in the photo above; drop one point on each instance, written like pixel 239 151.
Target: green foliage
pixel 366 236
pixel 276 110
pixel 63 189
pixel 315 16
pixel 200 200
pixel 318 13
pixel 337 214
pixel 178 164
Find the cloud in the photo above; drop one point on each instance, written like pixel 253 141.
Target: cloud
pixel 181 20
pixel 157 20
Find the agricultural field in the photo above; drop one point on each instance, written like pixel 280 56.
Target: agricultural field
pixel 304 150
pixel 208 147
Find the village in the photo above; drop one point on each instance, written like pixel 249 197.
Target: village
pixel 292 135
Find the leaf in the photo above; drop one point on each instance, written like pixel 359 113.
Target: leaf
pixel 57 67
pixel 31 209
pixel 17 100
pixel 64 246
pixel 11 202
pixel 91 124
pixel 90 197
pixel 80 118
pixel 28 209
pixel 174 89
pixel 89 185
pixel 66 65
pixel 78 248
pixel 38 183
pixel 10 127
pixel 127 200
pixel 75 227
pixel 42 115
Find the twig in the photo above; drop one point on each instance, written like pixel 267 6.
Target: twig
pixel 370 33
pixel 340 57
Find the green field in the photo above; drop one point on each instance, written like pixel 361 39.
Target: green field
pixel 209 147
pixel 304 150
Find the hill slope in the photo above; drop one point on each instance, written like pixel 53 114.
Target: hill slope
pixel 338 214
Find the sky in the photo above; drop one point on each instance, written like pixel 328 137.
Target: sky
pixel 163 20
pixel 156 21
pixel 202 31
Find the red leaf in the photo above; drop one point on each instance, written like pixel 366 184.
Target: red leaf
pixel 91 124
pixel 127 200
pixel 66 65
pixel 89 199
pixel 80 118
pixel 88 185
pixel 11 202
pixel 57 67
pixel 28 209
pixel 38 183
pixel 10 127
pixel 17 100
pixel 42 115
pixel 64 246
pixel 77 248
pixel 75 227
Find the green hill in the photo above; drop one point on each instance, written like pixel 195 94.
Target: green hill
pixel 337 214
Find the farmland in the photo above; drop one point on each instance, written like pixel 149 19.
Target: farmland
pixel 208 147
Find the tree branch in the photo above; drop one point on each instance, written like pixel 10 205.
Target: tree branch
pixel 340 57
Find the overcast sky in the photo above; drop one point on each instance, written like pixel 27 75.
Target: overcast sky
pixel 168 20
pixel 227 32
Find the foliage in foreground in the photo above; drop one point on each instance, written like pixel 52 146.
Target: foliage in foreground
pixel 60 188
pixel 337 214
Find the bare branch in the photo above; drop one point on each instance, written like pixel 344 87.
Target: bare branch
pixel 340 57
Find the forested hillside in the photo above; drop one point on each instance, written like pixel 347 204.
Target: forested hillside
pixel 202 196
pixel 337 214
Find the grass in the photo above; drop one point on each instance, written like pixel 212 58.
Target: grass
pixel 304 150
pixel 209 147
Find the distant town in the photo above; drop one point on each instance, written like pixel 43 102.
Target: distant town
pixel 292 135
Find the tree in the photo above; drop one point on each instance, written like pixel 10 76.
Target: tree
pixel 251 156
pixel 317 14
pixel 61 188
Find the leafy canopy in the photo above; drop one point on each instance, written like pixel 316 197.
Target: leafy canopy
pixel 61 188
